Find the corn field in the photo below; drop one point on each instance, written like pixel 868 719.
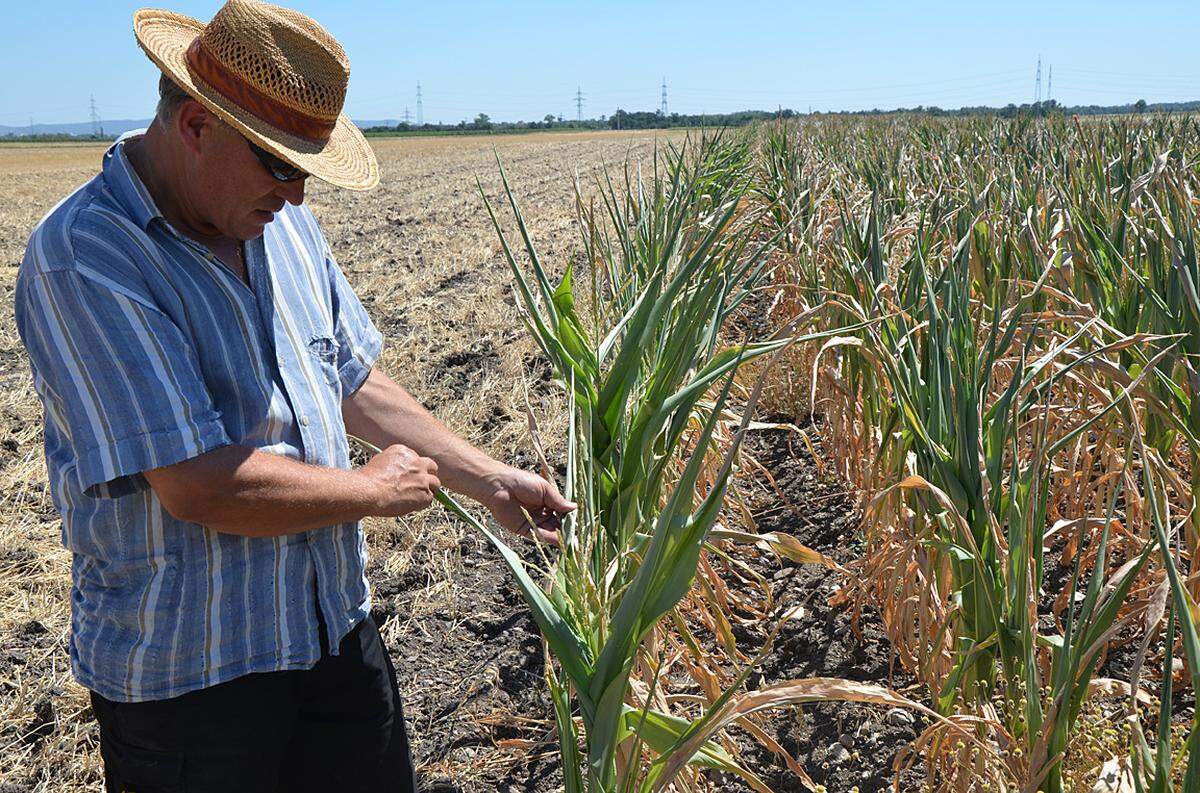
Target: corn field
pixel 994 325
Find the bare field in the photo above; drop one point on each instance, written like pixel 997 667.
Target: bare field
pixel 421 252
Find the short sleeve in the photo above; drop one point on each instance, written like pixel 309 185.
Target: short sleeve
pixel 359 341
pixel 117 376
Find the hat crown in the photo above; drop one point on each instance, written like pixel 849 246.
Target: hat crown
pixel 282 54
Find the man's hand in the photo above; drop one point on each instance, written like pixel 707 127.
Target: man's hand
pixel 403 481
pixel 382 413
pixel 514 492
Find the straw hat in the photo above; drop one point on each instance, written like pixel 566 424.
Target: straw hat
pixel 273 74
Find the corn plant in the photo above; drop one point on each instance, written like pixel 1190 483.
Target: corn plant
pixel 1172 286
pixel 982 494
pixel 1154 770
pixel 669 259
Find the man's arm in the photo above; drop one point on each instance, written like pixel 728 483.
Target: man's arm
pixel 382 413
pixel 82 332
pixel 239 490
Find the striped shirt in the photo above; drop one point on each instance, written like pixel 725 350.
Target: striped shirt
pixel 147 351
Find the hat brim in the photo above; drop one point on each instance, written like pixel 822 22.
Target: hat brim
pixel 345 160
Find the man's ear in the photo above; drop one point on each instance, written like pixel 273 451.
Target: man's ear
pixel 194 125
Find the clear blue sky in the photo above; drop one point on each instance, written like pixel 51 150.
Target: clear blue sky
pixel 516 60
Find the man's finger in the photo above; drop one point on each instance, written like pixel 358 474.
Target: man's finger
pixel 545 526
pixel 555 500
pixel 547 536
pixel 541 518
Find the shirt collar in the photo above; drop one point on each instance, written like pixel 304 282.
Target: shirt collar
pixel 126 185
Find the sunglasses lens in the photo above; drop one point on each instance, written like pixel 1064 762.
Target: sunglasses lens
pixel 281 170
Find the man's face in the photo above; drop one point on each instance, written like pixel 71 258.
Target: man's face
pixel 231 190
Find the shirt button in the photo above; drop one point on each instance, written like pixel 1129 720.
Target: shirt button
pixel 304 421
pixel 279 361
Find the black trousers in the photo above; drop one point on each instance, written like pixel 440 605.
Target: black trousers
pixel 336 727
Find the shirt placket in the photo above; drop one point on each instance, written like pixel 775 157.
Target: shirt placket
pixel 287 356
pixel 319 543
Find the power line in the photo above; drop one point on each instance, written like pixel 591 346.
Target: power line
pixel 420 110
pixel 579 103
pixel 1127 75
pixel 982 93
pixel 526 101
pixel 948 83
pixel 975 89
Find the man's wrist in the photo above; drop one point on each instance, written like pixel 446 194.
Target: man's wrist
pixel 370 490
pixel 478 479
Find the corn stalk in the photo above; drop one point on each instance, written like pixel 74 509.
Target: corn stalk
pixel 669 260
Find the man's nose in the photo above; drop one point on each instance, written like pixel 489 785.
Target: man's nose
pixel 292 192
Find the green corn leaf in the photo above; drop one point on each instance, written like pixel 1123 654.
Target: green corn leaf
pixel 569 649
pixel 663 732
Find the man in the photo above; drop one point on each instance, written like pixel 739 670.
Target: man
pixel 201 359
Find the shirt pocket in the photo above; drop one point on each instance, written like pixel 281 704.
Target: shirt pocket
pixel 324 353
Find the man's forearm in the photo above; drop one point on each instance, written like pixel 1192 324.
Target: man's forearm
pixel 382 412
pixel 239 490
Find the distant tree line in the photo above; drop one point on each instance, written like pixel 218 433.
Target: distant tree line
pixel 648 119
pixel 621 119
pixel 1042 109
pixel 54 137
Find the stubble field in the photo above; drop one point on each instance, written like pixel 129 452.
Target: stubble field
pixel 424 259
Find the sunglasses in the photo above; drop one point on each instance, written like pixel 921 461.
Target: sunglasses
pixel 281 170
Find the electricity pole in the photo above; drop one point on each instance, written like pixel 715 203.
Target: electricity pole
pixel 420 111
pixel 1037 85
pixel 663 108
pixel 1050 84
pixel 97 125
pixel 579 104
pixel 407 116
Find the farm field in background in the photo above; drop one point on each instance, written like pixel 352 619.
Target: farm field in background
pixel 956 550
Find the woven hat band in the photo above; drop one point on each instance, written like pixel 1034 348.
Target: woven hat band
pixel 253 101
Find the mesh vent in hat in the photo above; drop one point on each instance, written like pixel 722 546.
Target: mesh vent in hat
pixel 304 69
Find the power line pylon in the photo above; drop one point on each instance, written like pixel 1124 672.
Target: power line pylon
pixel 579 104
pixel 1037 85
pixel 407 116
pixel 663 108
pixel 97 124
pixel 420 110
pixel 1050 84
